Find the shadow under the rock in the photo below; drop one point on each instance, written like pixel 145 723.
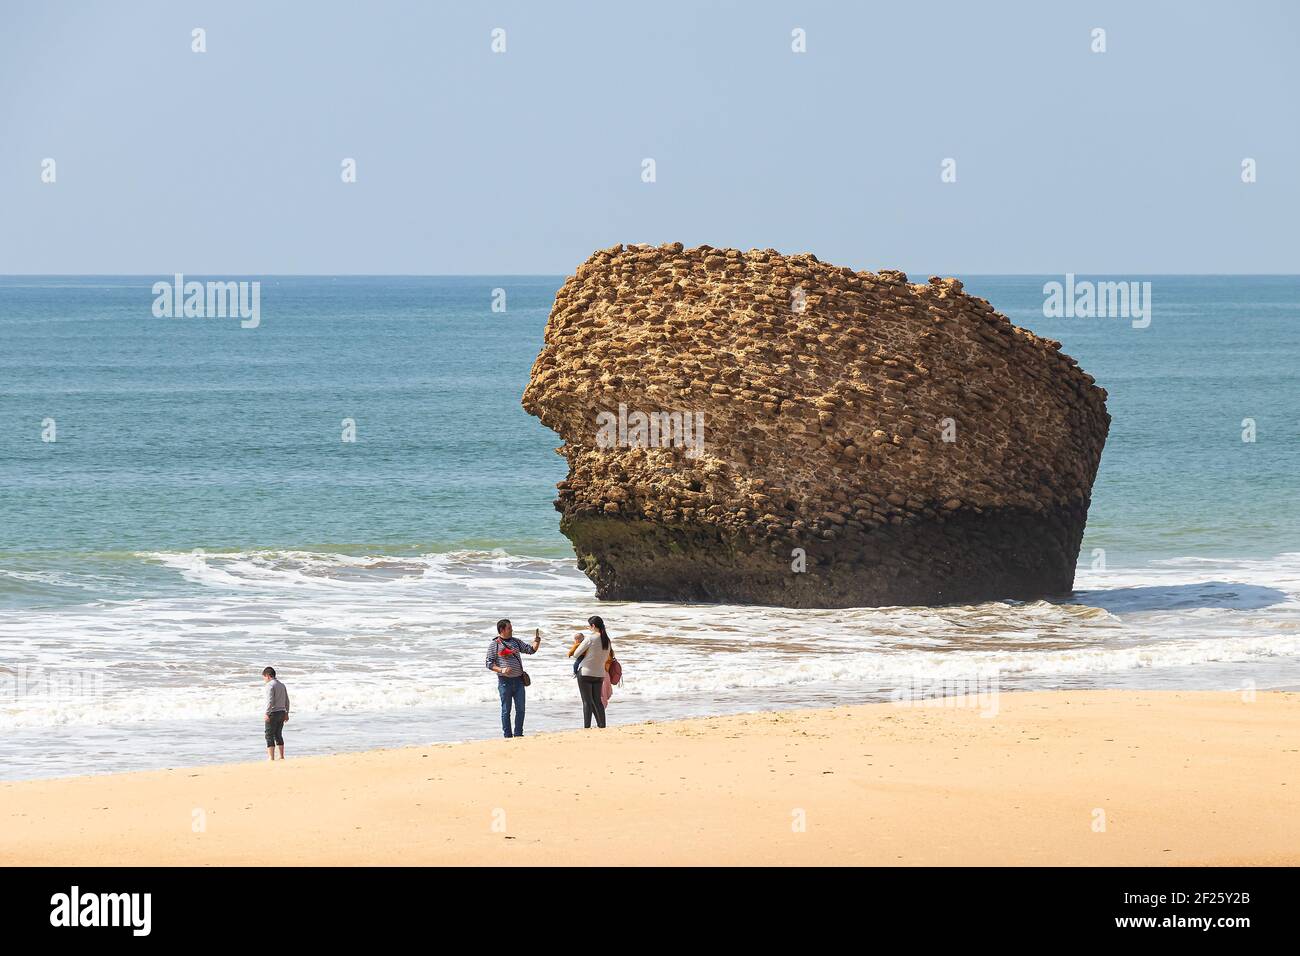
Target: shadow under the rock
pixel 1176 597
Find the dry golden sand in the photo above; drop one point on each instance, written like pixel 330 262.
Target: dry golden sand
pixel 1183 778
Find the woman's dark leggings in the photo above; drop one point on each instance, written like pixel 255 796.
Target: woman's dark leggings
pixel 589 688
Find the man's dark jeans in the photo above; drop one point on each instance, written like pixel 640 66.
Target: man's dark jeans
pixel 511 690
pixel 275 728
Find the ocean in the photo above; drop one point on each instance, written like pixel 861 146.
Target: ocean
pixel 198 516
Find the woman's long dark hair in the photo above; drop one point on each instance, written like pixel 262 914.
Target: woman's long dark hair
pixel 599 625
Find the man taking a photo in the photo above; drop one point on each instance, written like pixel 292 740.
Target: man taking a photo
pixel 504 657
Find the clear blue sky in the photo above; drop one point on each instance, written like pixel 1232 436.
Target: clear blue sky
pixel 228 162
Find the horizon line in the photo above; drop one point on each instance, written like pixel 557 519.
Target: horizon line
pixel 552 275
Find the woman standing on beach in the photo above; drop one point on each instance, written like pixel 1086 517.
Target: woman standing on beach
pixel 594 652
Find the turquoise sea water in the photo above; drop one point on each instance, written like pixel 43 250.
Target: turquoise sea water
pixel 183 433
pixel 198 516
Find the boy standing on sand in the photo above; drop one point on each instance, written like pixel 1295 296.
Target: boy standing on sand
pixel 503 656
pixel 277 712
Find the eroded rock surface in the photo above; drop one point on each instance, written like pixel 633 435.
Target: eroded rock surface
pixel 865 441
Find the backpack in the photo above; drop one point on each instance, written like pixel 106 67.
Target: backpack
pixel 615 671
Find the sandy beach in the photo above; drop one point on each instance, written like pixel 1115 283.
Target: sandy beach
pixel 1068 778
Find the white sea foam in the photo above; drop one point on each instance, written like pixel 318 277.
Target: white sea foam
pixel 367 634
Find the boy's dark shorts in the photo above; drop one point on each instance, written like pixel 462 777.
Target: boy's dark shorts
pixel 275 728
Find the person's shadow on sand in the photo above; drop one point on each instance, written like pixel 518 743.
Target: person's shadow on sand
pixel 1214 594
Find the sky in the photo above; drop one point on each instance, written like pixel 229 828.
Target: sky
pixel 470 161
